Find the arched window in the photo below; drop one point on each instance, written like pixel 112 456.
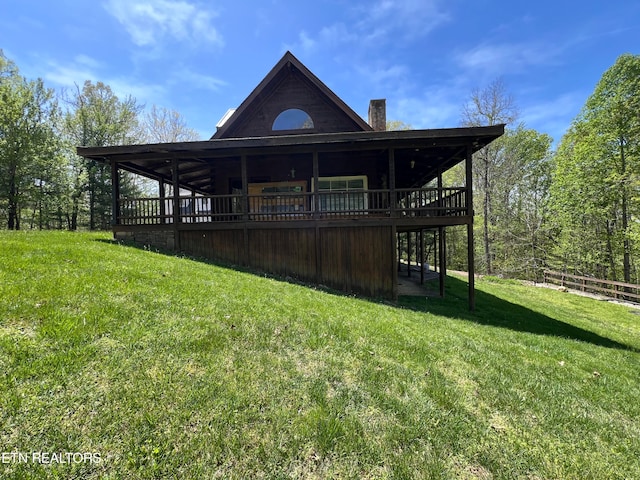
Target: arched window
pixel 292 119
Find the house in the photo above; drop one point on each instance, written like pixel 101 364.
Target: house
pixel 295 183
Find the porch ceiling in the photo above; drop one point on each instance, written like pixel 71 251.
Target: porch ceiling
pixel 419 154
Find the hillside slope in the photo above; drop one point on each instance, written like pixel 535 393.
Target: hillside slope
pixel 166 367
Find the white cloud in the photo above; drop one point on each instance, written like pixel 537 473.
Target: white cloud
pixel 147 21
pixel 567 104
pixel 85 68
pixel 498 59
pixel 435 106
pixel 185 75
pixel 553 116
pixel 82 68
pixel 425 112
pixel 386 78
pixel 401 18
pixel 88 61
pixel 306 42
pixel 333 36
pixel 69 74
pixel 143 93
pixel 376 25
pixel 337 34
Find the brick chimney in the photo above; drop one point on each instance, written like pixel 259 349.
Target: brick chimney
pixel 378 114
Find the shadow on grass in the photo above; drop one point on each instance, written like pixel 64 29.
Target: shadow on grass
pixel 490 310
pixel 231 266
pixel 498 312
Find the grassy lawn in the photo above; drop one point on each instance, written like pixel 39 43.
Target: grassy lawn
pixel 165 367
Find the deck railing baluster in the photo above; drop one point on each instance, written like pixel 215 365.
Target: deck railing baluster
pixel 409 202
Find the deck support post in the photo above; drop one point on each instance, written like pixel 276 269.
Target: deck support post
pixel 435 250
pixel 115 194
pixel 440 202
pixel 175 174
pixel 193 207
pixel 392 183
pixel 316 179
pixel 470 250
pixel 392 214
pixel 442 260
pixel 399 251
pixel 315 167
pixel 394 267
pixel 245 207
pixel 245 187
pixel 163 207
pixel 421 244
pixel 409 252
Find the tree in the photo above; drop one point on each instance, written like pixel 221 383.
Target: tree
pixel 97 118
pixel 579 202
pixel 161 125
pixel 398 125
pixel 597 175
pixel 490 106
pixel 29 146
pixel 522 235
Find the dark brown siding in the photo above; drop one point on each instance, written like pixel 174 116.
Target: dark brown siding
pixel 224 245
pixel 294 92
pixel 358 260
pixel 352 259
pixel 288 252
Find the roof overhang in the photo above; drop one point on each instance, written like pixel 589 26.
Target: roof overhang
pixel 432 151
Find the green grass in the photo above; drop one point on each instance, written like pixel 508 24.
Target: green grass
pixel 172 368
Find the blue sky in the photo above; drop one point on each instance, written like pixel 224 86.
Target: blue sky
pixel 424 56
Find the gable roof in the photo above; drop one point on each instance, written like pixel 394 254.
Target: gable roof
pixel 270 84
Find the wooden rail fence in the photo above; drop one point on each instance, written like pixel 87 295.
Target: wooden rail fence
pixel 618 290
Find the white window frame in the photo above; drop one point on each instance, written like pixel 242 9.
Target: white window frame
pixel 345 178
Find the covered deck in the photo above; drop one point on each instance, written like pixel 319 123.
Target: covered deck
pixel 347 192
pixel 379 175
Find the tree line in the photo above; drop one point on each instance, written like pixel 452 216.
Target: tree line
pixel 43 183
pixel 576 208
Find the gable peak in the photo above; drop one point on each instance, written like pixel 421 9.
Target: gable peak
pixel 235 125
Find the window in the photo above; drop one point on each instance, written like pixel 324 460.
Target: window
pixel 278 200
pixel 343 194
pixel 292 119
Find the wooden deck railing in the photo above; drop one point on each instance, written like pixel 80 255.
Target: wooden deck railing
pixel 421 202
pixel 144 211
pixel 450 202
pixel 610 288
